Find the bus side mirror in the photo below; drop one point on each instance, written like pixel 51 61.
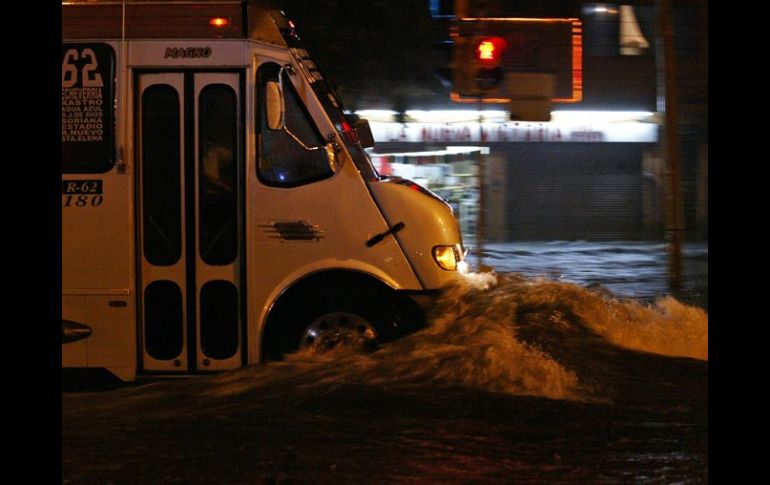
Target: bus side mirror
pixel 275 107
pixel 364 133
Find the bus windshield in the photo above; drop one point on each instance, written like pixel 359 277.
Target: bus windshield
pixel 331 104
pixel 333 107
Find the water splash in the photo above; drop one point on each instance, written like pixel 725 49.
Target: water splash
pixel 666 327
pixel 500 333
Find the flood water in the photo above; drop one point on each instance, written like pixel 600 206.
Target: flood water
pixel 569 363
pixel 628 269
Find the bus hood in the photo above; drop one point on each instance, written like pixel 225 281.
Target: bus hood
pixel 428 223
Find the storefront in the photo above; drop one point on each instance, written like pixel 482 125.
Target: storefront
pixel 583 175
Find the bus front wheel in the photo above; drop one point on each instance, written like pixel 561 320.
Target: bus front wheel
pixel 327 315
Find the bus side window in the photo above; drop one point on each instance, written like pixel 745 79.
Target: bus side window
pixel 282 161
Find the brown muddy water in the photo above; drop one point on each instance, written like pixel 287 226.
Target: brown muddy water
pixel 519 378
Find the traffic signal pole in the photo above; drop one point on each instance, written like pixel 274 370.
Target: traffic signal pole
pixel 674 214
pixel 480 215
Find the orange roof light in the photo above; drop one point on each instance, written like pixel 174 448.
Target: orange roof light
pixel 219 22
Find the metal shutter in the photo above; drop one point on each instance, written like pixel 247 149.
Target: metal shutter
pixel 587 191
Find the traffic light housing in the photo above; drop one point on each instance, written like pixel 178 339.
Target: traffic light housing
pixel 517 60
pixel 489 54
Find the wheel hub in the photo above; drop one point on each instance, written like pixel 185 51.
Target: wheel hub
pixel 340 330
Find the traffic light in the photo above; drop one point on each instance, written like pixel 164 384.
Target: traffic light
pixel 489 50
pixel 489 54
pixel 478 65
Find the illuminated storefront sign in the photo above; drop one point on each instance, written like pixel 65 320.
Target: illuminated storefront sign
pixel 491 132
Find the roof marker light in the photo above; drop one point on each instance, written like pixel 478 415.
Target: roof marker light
pixel 219 22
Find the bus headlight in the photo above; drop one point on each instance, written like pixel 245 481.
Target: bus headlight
pixel 447 257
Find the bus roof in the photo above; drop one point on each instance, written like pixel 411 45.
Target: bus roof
pixel 173 19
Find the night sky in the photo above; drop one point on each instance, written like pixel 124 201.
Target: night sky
pixel 379 53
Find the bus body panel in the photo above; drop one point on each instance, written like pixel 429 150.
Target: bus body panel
pixel 427 224
pixel 339 242
pixel 74 353
pixel 171 53
pixel 98 262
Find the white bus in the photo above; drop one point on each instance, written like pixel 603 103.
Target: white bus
pixel 218 208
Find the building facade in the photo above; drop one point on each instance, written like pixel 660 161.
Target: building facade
pixel 596 171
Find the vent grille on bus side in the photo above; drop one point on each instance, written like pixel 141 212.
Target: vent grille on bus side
pixel 293 231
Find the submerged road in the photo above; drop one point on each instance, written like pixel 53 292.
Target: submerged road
pixel 526 376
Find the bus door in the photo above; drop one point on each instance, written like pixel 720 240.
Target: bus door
pixel 189 139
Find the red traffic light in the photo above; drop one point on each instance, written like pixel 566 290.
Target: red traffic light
pixel 490 50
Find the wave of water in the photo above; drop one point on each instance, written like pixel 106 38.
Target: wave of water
pixel 502 333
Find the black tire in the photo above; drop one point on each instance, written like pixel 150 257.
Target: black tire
pixel 360 318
